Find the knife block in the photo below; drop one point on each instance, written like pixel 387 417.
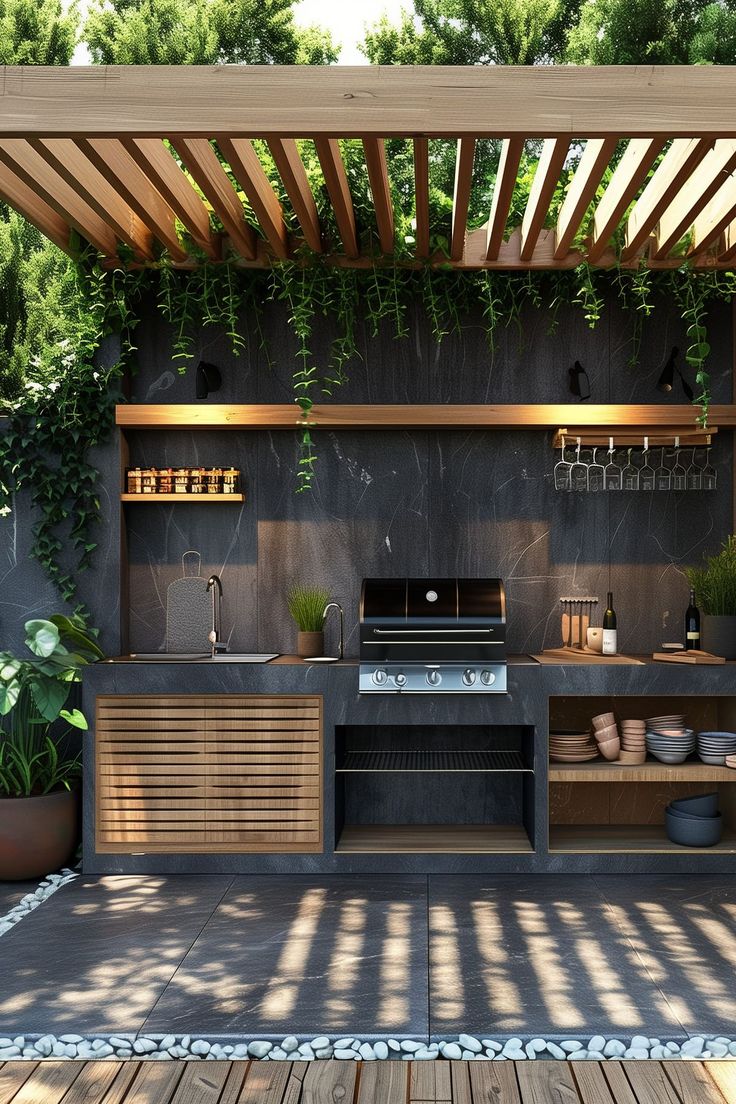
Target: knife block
pixel 575 619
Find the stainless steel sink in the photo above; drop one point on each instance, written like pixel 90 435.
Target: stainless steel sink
pixel 203 657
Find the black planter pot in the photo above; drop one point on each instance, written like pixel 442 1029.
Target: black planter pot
pixel 37 834
pixel 718 636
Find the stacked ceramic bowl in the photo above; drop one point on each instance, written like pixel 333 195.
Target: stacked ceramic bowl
pixel 633 742
pixel 606 735
pixel 668 739
pixel 715 747
pixel 694 821
pixel 571 747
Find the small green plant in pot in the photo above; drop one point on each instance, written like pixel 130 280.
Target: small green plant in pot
pixel 38 778
pixel 715 595
pixel 307 607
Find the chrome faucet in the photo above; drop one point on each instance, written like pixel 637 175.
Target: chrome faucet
pixel 326 610
pixel 214 585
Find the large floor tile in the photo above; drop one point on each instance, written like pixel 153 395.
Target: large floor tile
pixel 330 955
pixel 99 953
pixel 542 955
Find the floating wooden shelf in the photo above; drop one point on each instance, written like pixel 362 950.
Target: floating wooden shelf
pixel 632 838
pixel 173 499
pixel 607 418
pixel 647 772
pixel 399 839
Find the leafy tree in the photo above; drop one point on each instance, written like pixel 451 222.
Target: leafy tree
pixel 653 32
pixel 203 32
pixel 37 32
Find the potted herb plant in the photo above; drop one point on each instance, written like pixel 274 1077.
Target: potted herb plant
pixel 715 595
pixel 307 607
pixel 38 778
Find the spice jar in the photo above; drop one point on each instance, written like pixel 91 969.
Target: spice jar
pixel 165 481
pixel 230 481
pixel 135 481
pixel 148 481
pixel 197 481
pixel 213 480
pixel 181 481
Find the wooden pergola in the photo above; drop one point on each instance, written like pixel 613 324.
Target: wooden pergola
pixel 119 154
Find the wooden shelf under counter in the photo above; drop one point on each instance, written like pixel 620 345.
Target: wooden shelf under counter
pixel 651 771
pixel 599 839
pixel 172 499
pixel 396 839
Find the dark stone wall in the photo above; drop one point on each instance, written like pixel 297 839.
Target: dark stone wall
pixel 393 503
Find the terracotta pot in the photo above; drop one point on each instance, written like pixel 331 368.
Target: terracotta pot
pixel 718 636
pixel 37 834
pixel 310 644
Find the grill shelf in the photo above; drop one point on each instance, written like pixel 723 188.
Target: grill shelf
pixel 432 761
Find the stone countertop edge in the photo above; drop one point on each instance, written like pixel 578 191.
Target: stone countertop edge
pixel 522 660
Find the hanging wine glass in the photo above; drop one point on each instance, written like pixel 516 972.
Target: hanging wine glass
pixel 579 472
pixel 630 475
pixel 679 473
pixel 646 471
pixel 694 474
pixel 612 470
pixel 596 473
pixel 562 468
pixel 710 475
pixel 663 474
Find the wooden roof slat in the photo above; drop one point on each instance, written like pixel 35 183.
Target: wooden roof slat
pixel 110 157
pixel 593 163
pixel 15 192
pixel 627 178
pixel 715 218
pixel 375 159
pixel 159 165
pixel 421 196
pixel 677 165
pixel 336 181
pixel 294 177
pixel 27 163
pixel 65 157
pixel 461 196
pixel 503 193
pixel 549 167
pixel 246 167
pixel 694 195
pixel 205 168
pixel 728 251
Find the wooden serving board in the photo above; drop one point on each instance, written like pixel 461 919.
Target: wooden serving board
pixel 571 655
pixel 693 656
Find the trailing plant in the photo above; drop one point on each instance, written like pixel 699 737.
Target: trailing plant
pixel 715 582
pixel 306 605
pixel 33 697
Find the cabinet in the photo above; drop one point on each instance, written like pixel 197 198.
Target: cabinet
pixel 214 773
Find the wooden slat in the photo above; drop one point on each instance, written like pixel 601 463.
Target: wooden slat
pixel 693 196
pixel 503 192
pixel 12 1076
pixel 620 1088
pixel 397 839
pixel 596 157
pixel 676 167
pixel 374 150
pixel 200 1084
pixel 156 1081
pixel 715 218
pixel 383 1083
pixel 461 196
pixel 48 1084
pixel 494 1081
pixel 205 168
pixel 723 1075
pixel 93 1083
pixel 627 178
pixel 336 182
pixel 692 1083
pixel 461 1089
pixel 421 196
pixel 27 163
pixel 546 1083
pixel 329 1082
pixel 549 167
pixel 24 199
pixel 65 158
pixel 110 156
pixel 234 1083
pixel 430 1083
pixel 650 1083
pixel 293 1091
pixel 728 248
pixel 249 173
pixel 591 1084
pixel 159 165
pixel 266 1083
pixel 294 176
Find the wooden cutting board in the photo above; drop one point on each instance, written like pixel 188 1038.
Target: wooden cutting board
pixel 693 656
pixel 571 655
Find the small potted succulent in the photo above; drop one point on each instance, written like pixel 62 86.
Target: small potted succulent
pixel 715 595
pixel 38 777
pixel 307 607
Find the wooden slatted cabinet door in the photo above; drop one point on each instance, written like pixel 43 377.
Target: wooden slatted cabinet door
pixel 150 773
pixel 264 773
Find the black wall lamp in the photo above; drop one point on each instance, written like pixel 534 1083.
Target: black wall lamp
pixel 579 382
pixel 209 379
pixel 667 376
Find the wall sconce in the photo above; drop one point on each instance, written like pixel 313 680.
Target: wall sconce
pixel 579 382
pixel 209 379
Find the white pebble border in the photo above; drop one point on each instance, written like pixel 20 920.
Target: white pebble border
pixel 348 1048
pixel 47 888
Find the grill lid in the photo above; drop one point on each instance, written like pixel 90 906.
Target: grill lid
pixel 433 601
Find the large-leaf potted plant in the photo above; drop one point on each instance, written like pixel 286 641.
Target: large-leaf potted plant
pixel 38 773
pixel 715 595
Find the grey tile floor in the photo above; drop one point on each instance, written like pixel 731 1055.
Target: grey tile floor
pixel 381 955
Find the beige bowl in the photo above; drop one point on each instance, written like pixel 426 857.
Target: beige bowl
pixel 604 720
pixel 610 732
pixel 610 749
pixel 632 758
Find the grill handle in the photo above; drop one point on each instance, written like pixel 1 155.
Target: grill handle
pixel 413 632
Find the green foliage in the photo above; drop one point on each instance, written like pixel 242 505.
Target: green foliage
pixel 33 695
pixel 202 32
pixel 37 32
pixel 306 605
pixel 715 583
pixel 653 32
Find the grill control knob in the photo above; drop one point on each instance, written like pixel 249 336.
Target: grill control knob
pixel 469 677
pixel 400 679
pixel 379 677
pixel 487 678
pixel 434 678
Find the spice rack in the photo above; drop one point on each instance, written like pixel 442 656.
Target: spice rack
pixel 172 485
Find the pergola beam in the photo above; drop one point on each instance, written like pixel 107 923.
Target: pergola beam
pixel 627 178
pixel 694 195
pixel 677 165
pixel 503 193
pixel 545 180
pixel 205 168
pixel 596 156
pixel 421 196
pixel 248 171
pixel 294 178
pixel 461 196
pixel 374 150
pixel 336 182
pixel 24 199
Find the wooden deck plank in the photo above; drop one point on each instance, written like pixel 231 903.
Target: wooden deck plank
pixel 155 1083
pixel 233 1086
pixel 331 1082
pixel 294 1085
pixel 48 1084
pixel 94 1082
pixel 266 1083
pixel 383 1083
pixel 461 1087
pixel 430 1082
pixel 201 1083
pixel 650 1083
pixel 118 1092
pixel 546 1083
pixel 592 1085
pixel 693 1084
pixel 493 1082
pixel 621 1090
pixel 12 1076
pixel 723 1074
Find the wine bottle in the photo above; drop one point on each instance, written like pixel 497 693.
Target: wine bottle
pixel 692 623
pixel 610 642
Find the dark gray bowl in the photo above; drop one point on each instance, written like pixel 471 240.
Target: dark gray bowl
pixel 704 805
pixel 692 831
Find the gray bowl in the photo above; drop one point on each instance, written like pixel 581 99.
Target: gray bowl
pixel 703 805
pixel 692 831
